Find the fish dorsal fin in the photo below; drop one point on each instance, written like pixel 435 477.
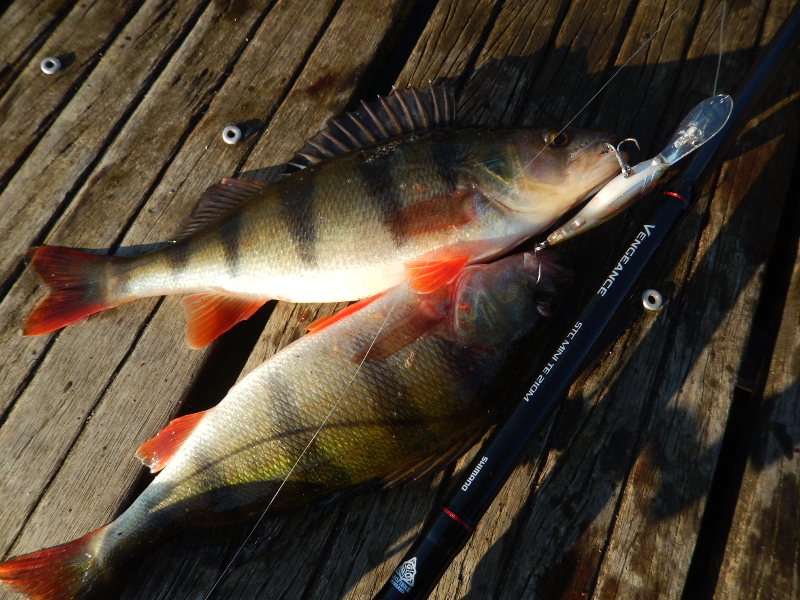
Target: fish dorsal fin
pixel 413 110
pixel 156 452
pixel 210 314
pixel 324 322
pixel 219 200
pixel 406 330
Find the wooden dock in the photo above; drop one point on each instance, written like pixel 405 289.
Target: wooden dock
pixel 672 470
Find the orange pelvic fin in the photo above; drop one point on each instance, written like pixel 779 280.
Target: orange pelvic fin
pixel 426 276
pixel 156 452
pixel 66 572
pixel 209 315
pixel 324 322
pixel 401 333
pixel 437 214
pixel 77 290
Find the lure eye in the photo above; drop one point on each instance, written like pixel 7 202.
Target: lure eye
pixel 558 138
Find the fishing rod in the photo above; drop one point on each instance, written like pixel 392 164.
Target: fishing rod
pixel 449 528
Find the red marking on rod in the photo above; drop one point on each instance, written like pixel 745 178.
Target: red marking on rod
pixel 456 518
pixel 678 196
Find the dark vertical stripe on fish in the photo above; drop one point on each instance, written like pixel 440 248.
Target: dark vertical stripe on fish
pixel 399 414
pixel 229 236
pixel 297 211
pixel 446 164
pixel 178 258
pixel 382 188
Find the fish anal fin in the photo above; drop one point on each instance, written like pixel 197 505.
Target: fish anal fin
pixel 209 315
pixel 324 322
pixel 437 214
pixel 404 331
pixel 156 452
pixel 426 276
pixel 218 200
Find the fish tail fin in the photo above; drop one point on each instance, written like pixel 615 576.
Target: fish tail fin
pixel 77 287
pixel 67 572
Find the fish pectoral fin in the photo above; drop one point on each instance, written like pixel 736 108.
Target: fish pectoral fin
pixel 324 322
pixel 210 314
pixel 218 200
pixel 431 464
pixel 437 214
pixel 426 276
pixel 401 333
pixel 156 452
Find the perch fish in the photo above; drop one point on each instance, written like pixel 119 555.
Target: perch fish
pixel 404 372
pixel 388 193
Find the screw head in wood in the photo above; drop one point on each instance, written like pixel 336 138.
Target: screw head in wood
pixel 50 65
pixel 652 299
pixel 231 134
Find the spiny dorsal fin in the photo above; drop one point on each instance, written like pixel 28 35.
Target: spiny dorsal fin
pixel 412 110
pixel 219 200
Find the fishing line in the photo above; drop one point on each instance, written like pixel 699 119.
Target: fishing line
pixel 487 200
pixel 721 44
pixel 610 79
pixel 303 453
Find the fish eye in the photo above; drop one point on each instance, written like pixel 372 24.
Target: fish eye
pixel 545 305
pixel 558 138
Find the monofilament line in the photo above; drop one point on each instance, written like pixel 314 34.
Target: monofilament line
pixel 303 453
pixel 391 310
pixel 721 43
pixel 610 79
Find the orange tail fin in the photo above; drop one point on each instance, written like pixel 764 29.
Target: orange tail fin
pixel 66 572
pixel 77 287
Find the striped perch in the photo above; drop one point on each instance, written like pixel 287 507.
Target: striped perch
pixel 404 406
pixel 387 193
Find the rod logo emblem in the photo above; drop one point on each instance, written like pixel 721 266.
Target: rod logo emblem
pixel 403 577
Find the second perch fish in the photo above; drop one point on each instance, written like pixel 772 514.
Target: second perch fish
pixel 385 394
pixel 386 193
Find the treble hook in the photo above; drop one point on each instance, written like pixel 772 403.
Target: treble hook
pixel 627 171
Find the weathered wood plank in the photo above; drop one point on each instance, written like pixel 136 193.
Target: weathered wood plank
pixel 32 101
pixel 108 201
pixel 59 162
pixel 612 506
pixel 762 556
pixel 110 197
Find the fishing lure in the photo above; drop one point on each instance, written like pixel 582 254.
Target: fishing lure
pixel 703 122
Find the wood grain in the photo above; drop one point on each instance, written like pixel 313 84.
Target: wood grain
pixel 763 550
pixel 611 498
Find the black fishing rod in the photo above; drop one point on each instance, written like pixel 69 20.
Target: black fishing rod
pixel 452 524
